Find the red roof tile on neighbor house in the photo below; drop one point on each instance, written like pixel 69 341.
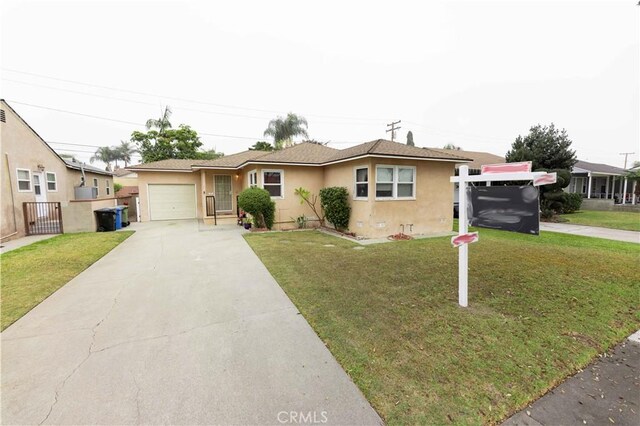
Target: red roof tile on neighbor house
pixel 127 191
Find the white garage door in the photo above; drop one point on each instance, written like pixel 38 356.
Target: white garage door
pixel 168 201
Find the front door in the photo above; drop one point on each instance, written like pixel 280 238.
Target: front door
pixel 41 193
pixel 223 193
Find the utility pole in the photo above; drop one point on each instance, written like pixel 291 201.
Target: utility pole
pixel 626 154
pixel 393 129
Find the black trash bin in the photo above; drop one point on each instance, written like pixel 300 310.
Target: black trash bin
pixel 105 219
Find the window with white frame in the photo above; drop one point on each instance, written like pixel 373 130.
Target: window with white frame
pixel 24 180
pixel 52 182
pixel 95 185
pixel 395 182
pixel 253 178
pixel 273 182
pixel 108 186
pixel 362 182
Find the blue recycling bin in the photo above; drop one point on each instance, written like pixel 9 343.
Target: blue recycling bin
pixel 118 211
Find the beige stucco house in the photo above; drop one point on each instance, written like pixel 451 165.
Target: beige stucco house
pixel 31 171
pixel 390 185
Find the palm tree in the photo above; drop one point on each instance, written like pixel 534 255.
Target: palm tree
pixel 284 129
pixel 125 151
pixel 104 154
pixel 161 123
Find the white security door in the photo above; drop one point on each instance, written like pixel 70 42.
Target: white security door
pixel 41 194
pixel 223 193
pixel 172 201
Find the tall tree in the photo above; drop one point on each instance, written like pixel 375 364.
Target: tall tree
pixel 162 123
pixel 124 152
pixel 261 146
pixel 283 130
pixel 104 154
pixel 183 143
pixel 546 147
pixel 410 138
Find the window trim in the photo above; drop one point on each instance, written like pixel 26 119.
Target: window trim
pixel 55 181
pixel 281 197
pixel 396 177
pixel 96 186
pixel 355 182
pixel 108 187
pixel 255 173
pixel 23 180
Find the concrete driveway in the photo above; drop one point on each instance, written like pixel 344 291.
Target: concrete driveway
pixel 592 231
pixel 177 325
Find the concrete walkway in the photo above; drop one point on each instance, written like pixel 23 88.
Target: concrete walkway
pixel 176 326
pixel 21 242
pixel 605 393
pixel 592 231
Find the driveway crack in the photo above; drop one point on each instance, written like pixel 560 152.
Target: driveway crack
pixel 94 330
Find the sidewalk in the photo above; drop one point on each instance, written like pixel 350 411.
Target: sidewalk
pixel 21 242
pixel 592 231
pixel 607 392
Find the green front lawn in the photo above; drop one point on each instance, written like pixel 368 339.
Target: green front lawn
pixel 629 221
pixel 540 308
pixel 31 273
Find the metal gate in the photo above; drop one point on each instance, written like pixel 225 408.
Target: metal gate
pixel 42 218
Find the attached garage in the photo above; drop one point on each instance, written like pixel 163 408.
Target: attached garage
pixel 172 201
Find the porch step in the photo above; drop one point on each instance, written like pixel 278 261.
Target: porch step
pixel 222 220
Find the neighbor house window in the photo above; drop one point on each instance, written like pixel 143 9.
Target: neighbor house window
pixel 273 182
pixel 24 180
pixel 253 178
pixel 52 183
pixel 108 186
pixel 362 182
pixel 95 185
pixel 395 182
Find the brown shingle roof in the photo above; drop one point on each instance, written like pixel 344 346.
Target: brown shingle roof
pixel 305 153
pixel 479 158
pixel 395 149
pixel 171 164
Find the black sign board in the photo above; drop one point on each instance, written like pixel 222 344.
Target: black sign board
pixel 508 208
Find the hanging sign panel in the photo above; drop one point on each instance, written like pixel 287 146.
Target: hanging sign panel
pixel 508 208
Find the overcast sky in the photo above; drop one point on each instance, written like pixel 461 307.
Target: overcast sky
pixel 476 73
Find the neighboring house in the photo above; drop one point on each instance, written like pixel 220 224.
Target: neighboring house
pixel 594 180
pixel 33 172
pixel 479 159
pixel 125 177
pixel 390 184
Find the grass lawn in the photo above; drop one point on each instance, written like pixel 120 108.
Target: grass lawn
pixel 31 273
pixel 617 220
pixel 539 309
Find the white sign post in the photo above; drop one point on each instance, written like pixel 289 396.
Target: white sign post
pixel 491 173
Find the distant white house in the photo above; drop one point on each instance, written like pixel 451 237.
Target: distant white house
pixel 595 180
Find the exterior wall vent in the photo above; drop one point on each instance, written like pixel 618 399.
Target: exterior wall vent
pixel 2 116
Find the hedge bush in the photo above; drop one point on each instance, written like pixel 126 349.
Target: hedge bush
pixel 257 202
pixel 572 203
pixel 335 203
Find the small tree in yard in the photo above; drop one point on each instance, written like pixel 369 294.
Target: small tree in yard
pixel 257 202
pixel 311 199
pixel 335 203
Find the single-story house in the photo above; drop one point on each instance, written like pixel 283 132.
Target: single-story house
pixel 478 159
pixel 32 172
pixel 390 185
pixel 601 181
pixel 125 177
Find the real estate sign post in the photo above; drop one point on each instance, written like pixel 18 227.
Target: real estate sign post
pixel 490 173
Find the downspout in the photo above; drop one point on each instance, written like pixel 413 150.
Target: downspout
pixel 13 202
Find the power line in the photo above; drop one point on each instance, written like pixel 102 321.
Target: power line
pixel 180 98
